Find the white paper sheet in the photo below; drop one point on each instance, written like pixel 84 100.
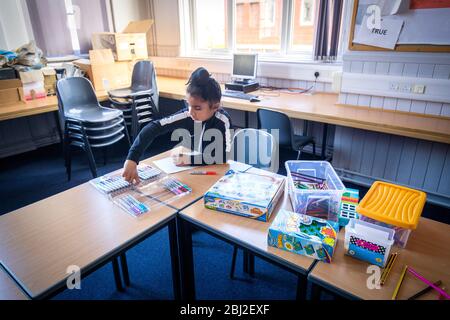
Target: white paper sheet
pixel 169 167
pixel 385 37
pixel 238 166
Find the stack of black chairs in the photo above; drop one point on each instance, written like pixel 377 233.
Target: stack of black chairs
pixel 140 102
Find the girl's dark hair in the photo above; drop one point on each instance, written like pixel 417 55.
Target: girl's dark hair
pixel 202 85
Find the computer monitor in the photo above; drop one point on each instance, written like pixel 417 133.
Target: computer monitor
pixel 244 66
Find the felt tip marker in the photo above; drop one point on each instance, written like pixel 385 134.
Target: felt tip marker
pixel 206 173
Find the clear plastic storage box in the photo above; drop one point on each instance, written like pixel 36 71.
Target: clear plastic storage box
pixel 315 189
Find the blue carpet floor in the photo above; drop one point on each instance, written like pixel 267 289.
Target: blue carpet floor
pixel 38 174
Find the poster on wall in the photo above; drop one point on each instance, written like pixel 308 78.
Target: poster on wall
pixel 424 22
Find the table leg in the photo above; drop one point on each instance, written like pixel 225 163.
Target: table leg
pixel 58 126
pixel 245 260
pixel 186 259
pixel 246 119
pixel 124 265
pixel 118 280
pixel 301 287
pixel 173 243
pixel 251 264
pixel 316 291
pixel 324 140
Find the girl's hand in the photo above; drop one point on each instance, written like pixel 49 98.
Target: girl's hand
pixel 130 173
pixel 181 159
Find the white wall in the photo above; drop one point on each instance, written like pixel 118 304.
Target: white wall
pixel 125 11
pixel 15 29
pixel 167 27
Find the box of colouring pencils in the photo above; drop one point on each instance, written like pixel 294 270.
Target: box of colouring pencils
pixel 249 194
pixel 315 189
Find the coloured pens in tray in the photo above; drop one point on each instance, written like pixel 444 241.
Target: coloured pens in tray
pixel 308 182
pixel 165 189
pixel 112 183
pixel 131 205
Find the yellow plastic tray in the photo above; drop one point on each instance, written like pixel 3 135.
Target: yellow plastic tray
pixel 393 204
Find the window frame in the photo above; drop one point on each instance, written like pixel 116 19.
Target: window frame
pixel 286 52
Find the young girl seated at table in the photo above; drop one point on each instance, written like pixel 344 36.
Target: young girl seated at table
pixel 203 113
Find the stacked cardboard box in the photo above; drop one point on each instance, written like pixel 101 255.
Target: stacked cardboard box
pixel 49 80
pixel 33 84
pixel 105 73
pixel 11 91
pixel 131 44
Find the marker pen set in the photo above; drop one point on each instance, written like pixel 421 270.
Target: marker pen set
pixel 147 172
pixel 131 205
pixel 115 182
pixel 175 186
pixel 109 184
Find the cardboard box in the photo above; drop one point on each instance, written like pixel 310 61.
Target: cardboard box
pixel 312 237
pixel 49 80
pixel 11 92
pixel 143 26
pixel 33 84
pixel 104 73
pixel 131 44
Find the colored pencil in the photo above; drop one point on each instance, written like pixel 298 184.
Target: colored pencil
pixel 421 278
pixel 388 268
pixel 427 289
pixel 399 283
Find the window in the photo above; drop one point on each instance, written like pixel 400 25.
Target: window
pixel 272 28
pixel 210 25
pixel 74 21
pixel 303 26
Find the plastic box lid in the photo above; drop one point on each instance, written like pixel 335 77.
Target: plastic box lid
pixel 393 204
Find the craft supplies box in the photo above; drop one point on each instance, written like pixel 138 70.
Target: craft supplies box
pixel 393 206
pixel 324 204
pixel 369 242
pixel 305 235
pixel 250 195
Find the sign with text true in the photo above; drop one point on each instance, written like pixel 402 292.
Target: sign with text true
pixel 383 35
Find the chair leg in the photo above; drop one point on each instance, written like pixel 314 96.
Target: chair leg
pixel 298 154
pixel 116 272
pixel 314 149
pixel 105 155
pixel 233 262
pixel 127 135
pixel 91 161
pixel 124 266
pixel 68 159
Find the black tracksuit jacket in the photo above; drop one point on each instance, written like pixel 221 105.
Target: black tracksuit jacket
pixel 197 129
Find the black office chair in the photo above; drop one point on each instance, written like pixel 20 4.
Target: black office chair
pixel 269 120
pixel 246 148
pixel 86 124
pixel 140 102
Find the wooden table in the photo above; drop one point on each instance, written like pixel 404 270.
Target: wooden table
pixel 78 227
pixel 29 108
pixel 320 107
pixel 243 232
pixel 9 290
pixel 426 252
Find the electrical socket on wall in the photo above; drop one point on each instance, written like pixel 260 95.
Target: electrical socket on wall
pixel 407 87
